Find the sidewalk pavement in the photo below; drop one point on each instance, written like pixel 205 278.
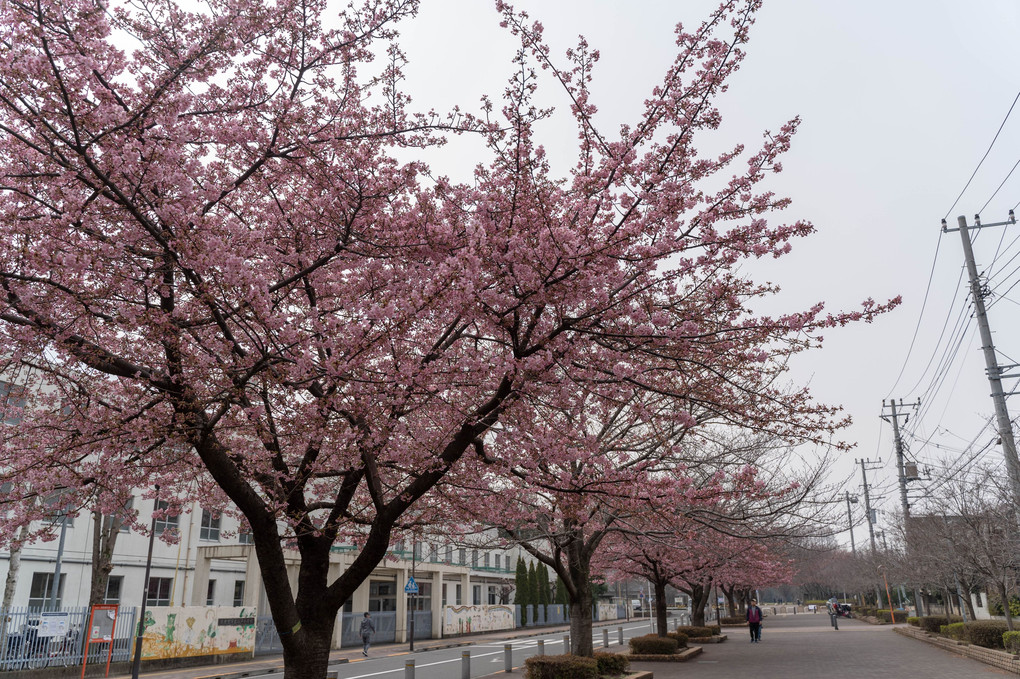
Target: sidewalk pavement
pixel 807 647
pixel 274 663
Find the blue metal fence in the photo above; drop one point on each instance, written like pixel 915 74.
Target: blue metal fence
pixel 31 638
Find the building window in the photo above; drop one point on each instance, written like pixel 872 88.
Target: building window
pixel 158 593
pixel 462 554
pixel 497 561
pixel 239 593
pixel 449 554
pixel 124 527
pixel 492 596
pixel 416 550
pixel 245 538
pixel 458 591
pixel 167 523
pixel 433 553
pixel 39 594
pixel 485 559
pixel 382 595
pixel 210 593
pixel 474 558
pixel 113 587
pixel 12 402
pixel 210 526
pixel 476 595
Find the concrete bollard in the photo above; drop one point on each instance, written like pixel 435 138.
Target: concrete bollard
pixel 605 637
pixel 508 658
pixel 619 632
pixel 409 669
pixel 566 643
pixel 465 665
pixel 541 646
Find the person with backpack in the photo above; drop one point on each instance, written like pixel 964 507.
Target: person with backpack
pixel 754 616
pixel 366 632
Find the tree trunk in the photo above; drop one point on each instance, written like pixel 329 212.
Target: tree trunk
pixel 104 539
pixel 731 604
pixel 969 603
pixel 660 607
pixel 1004 596
pixel 12 569
pixel 309 658
pixel 699 599
pixel 580 620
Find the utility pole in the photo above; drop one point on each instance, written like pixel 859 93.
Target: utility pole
pixel 894 418
pixel 992 367
pixel 850 519
pixel 871 522
pixel 867 503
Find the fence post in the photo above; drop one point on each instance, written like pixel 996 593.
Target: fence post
pixel 619 631
pixel 541 646
pixel 409 669
pixel 508 658
pixel 605 637
pixel 465 665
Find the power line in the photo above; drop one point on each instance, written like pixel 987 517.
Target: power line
pixel 1008 175
pixel 924 304
pixel 980 162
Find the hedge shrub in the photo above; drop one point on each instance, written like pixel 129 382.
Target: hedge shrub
pixel 681 638
pixel 611 663
pixel 886 616
pixel 987 633
pixel 1011 641
pixel 695 631
pixel 933 623
pixel 560 667
pixel 735 620
pixel 653 644
pixel 914 621
pixel 716 629
pixel 955 630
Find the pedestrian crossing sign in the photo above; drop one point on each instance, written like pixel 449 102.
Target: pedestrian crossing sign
pixel 411 587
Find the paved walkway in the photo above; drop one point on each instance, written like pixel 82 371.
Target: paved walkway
pixel 805 646
pixel 800 646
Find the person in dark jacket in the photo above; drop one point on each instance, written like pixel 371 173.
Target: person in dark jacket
pixel 366 632
pixel 754 616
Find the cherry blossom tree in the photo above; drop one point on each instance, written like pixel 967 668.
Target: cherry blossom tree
pixel 221 275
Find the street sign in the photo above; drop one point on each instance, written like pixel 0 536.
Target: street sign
pixel 411 587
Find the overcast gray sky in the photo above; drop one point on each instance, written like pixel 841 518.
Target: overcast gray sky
pixel 899 102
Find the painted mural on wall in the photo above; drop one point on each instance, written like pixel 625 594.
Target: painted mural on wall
pixel 608 611
pixel 188 631
pixel 470 619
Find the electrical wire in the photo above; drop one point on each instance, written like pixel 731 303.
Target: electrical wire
pixel 980 162
pixel 994 193
pixel 920 315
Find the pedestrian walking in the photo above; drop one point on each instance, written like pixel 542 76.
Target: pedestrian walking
pixel 754 616
pixel 367 628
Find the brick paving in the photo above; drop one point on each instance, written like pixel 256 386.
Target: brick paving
pixel 805 646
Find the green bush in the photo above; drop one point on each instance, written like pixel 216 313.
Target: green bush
pixel 611 663
pixel 914 621
pixel 885 615
pixel 653 644
pixel 716 629
pixel 955 630
pixel 987 633
pixel 695 631
pixel 560 667
pixel 681 638
pixel 735 620
pixel 933 623
pixel 1011 642
pixel 1014 607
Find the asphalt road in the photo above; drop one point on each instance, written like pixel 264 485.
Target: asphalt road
pixel 486 657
